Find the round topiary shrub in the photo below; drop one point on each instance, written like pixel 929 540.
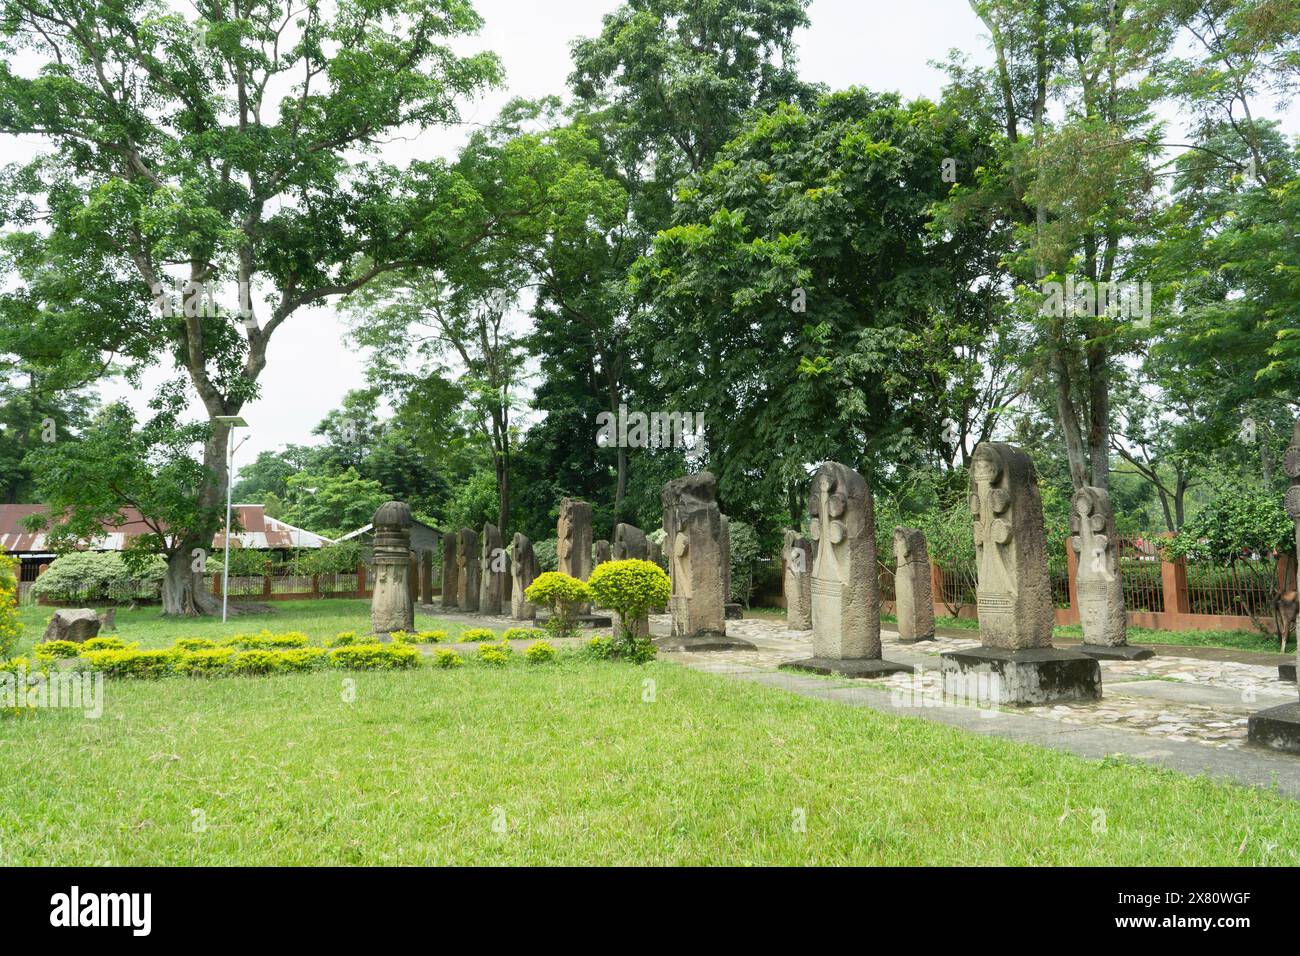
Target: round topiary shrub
pixel 564 595
pixel 631 589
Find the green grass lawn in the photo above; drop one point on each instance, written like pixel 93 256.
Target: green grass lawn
pixel 572 763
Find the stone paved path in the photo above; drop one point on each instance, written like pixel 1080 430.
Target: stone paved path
pixel 1185 713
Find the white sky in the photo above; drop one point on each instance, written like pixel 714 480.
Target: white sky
pixel 880 44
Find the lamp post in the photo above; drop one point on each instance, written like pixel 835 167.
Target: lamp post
pixel 231 422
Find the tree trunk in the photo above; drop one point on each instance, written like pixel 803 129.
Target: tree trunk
pixel 183 594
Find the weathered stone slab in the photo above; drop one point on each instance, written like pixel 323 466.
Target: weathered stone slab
pixel 865 667
pixel 1277 728
pixel 1014 592
pixel 797 584
pixel 391 605
pixel 467 570
pixel 492 570
pixel 450 571
pixel 630 543
pixel 982 676
pixel 573 539
pixel 845 585
pixel 694 547
pixel 524 568
pixel 913 600
pixel 73 624
pixel 426 577
pixel 655 553
pixel 601 553
pixel 1097 580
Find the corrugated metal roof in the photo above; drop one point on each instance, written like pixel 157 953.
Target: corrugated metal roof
pixel 259 531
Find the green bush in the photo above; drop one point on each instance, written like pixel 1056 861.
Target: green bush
pixel 446 657
pixel 368 657
pixel 109 643
pixel 432 637
pixel 11 628
pixel 745 552
pixel 402 637
pixel 204 662
pixel 631 588
pixel 477 634
pixel 261 661
pixel 99 576
pixel 547 555
pixel 267 641
pixel 495 654
pixel 601 648
pixel 132 662
pixel 344 639
pixel 564 595
pixel 523 633
pixel 540 652
pixel 195 643
pixel 51 650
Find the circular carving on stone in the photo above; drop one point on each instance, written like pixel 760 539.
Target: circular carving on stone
pixel 838 531
pixel 1082 505
pixel 1293 502
pixel 1000 498
pixel 1097 523
pixel 1000 531
pixel 1077 543
pixel 1291 462
pixel 836 505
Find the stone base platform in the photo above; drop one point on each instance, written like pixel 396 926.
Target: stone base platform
pixel 1277 728
pixel 1286 672
pixel 850 667
pixel 581 620
pixel 1115 652
pixel 702 642
pixel 1036 675
pixel 917 640
pixel 733 612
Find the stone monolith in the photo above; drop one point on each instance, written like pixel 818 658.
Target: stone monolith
pixel 391 608
pixel 467 570
pixel 913 600
pixel 797 584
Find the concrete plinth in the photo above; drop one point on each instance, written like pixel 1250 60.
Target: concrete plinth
pixel 1036 675
pixel 1286 672
pixel 733 611
pixel 702 642
pixel 1277 728
pixel 1115 652
pixel 865 667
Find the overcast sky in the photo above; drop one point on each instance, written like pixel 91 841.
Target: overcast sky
pixel 881 44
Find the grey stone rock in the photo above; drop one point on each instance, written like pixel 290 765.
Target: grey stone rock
pixel 73 624
pixel 1277 728
pixel 913 599
pixel 1100 586
pixel 467 570
pixel 492 570
pixel 847 667
pixel 573 539
pixel 797 585
pixel 600 553
pixel 391 606
pixel 630 543
pixel 694 548
pixel 450 571
pixel 1013 592
pixel 524 567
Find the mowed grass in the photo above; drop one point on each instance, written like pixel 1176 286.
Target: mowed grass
pixel 578 762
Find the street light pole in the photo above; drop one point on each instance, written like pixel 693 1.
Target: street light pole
pixel 231 422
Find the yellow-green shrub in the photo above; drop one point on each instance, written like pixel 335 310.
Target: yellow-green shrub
pixel 267 661
pixel 195 643
pixel 561 593
pixel 365 657
pixel 204 661
pixel 540 652
pixel 478 634
pixel 495 654
pixel 431 637
pixel 52 650
pixel 267 641
pixel 446 657
pixel 130 662
pixel 344 639
pixel 110 643
pixel 11 629
pixel 523 633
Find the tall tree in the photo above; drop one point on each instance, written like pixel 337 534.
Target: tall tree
pixel 222 149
